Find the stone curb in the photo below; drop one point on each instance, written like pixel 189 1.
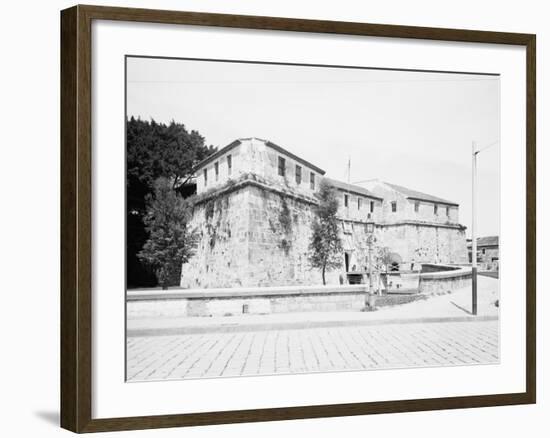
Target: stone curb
pixel 294 325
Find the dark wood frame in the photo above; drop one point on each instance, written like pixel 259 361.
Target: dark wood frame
pixel 76 238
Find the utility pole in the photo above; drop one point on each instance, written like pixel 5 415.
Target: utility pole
pixel 474 237
pixel 475 152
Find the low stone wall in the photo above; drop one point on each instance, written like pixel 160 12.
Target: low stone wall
pixel 175 303
pixel 428 268
pixel 158 307
pixel 440 281
pixel 237 301
pixel 402 282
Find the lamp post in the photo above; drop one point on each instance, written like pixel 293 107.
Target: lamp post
pixel 475 152
pixel 370 301
pixel 474 237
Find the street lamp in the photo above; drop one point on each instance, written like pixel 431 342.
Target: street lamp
pixel 370 300
pixel 475 152
pixel 474 237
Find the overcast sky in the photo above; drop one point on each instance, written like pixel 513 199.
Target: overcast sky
pixel 409 128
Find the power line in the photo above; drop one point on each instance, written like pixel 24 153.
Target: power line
pixel 487 146
pixel 308 82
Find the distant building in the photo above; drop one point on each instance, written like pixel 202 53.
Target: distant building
pixel 487 253
pixel 255 207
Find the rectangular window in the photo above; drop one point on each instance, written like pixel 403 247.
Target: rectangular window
pixel 435 209
pixel 205 177
pixel 282 166
pixel 312 181
pixel 393 206
pixel 217 170
pixel 229 165
pixel 359 203
pixel 346 200
pixel 347 227
pixel 416 206
pixel 372 206
pixel 448 211
pixel 298 175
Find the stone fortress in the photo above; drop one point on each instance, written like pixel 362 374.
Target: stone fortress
pixel 255 207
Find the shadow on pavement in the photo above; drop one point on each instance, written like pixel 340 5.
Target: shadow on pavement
pixel 461 308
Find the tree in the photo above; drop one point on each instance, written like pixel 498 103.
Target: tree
pixel 171 241
pixel 154 150
pixel 325 247
pixel 383 258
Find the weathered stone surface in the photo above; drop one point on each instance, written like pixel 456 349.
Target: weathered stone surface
pixel 427 243
pixel 221 258
pixel 255 223
pixel 253 236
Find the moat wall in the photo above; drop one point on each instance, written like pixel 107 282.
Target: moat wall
pixel 255 235
pixel 426 242
pixel 252 237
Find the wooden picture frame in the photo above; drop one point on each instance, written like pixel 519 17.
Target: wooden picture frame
pixel 76 217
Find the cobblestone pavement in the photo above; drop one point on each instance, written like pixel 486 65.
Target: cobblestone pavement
pixel 311 350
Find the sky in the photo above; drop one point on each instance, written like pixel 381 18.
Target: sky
pixel 409 128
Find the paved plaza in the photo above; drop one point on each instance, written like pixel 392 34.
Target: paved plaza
pixel 305 350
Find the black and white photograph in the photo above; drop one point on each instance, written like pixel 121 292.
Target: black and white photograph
pixel 293 218
pixel 274 219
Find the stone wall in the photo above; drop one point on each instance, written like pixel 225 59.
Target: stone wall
pixel 406 206
pixel 441 282
pixel 403 205
pixel 221 257
pixel 252 236
pixel 278 241
pixel 205 303
pixel 426 212
pixel 271 167
pixel 256 156
pixel 238 301
pixel 436 286
pixel 160 307
pixel 402 283
pixel 359 212
pixel 253 233
pixel 426 242
pixel 224 172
